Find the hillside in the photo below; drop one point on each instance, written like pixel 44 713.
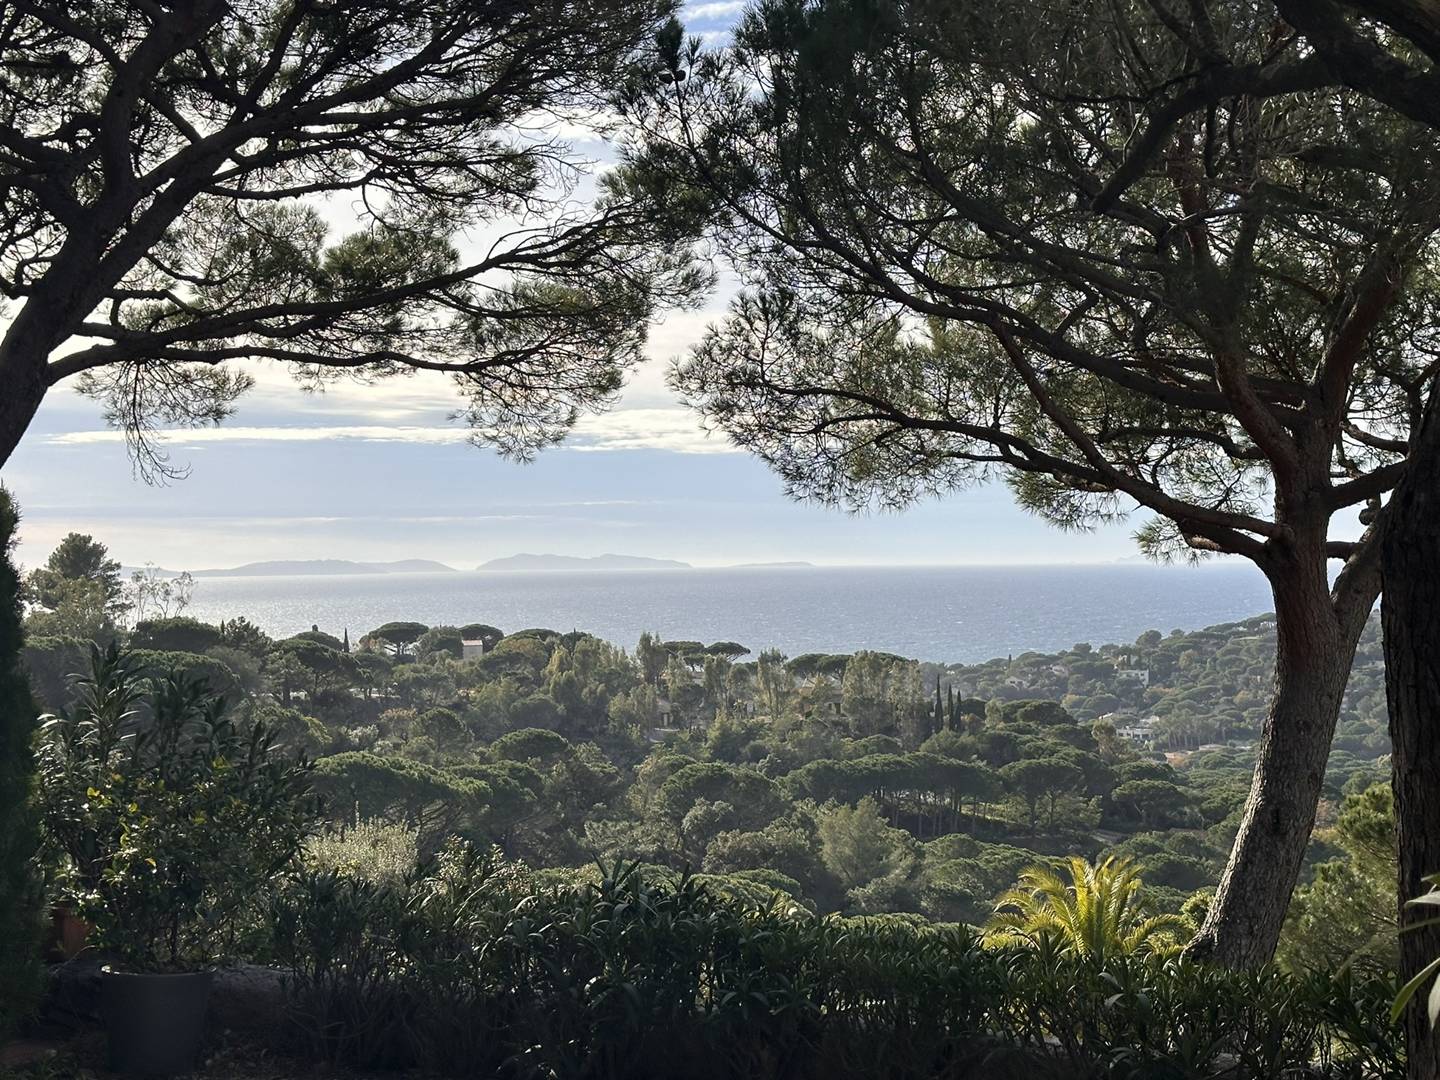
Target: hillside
pixel 682 753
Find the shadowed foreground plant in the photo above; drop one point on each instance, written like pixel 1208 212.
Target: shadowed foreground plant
pixel 468 968
pixel 19 895
pixel 165 816
pixel 1431 970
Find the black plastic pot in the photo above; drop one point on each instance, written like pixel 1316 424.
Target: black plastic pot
pixel 156 1023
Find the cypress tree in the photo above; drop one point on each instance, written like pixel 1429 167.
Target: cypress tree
pixel 19 898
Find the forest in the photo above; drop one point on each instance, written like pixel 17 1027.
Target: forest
pixel 859 784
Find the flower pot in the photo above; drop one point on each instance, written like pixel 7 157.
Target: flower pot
pixel 68 932
pixel 156 1023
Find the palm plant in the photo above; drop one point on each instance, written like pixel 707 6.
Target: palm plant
pixel 1099 912
pixel 1430 971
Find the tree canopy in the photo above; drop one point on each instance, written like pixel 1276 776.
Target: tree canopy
pixel 164 175
pixel 1128 261
pixel 957 302
pixel 80 585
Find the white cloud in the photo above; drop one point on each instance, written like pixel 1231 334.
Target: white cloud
pixel 398 399
pixel 673 429
pixel 188 436
pixel 718 9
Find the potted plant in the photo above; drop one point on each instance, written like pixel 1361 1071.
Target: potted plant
pixel 166 816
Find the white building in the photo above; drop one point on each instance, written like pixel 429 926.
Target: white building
pixel 1138 732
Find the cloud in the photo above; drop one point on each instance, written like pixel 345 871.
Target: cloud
pixel 671 429
pixel 402 399
pixel 195 436
pixel 674 429
pixel 718 9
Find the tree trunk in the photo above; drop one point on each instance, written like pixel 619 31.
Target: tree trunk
pixel 1410 617
pixel 1314 649
pixel 24 385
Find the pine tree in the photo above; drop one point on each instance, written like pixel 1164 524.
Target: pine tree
pixel 19 922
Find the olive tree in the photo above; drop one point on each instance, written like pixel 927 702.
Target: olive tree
pixel 357 187
pixel 958 267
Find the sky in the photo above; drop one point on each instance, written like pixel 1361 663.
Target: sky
pixel 380 472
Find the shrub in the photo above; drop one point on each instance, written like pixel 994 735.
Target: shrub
pixel 1100 912
pixel 1430 973
pixel 177 633
pixel 167 818
pixel 52 664
pixel 370 849
pixel 19 922
pixel 470 967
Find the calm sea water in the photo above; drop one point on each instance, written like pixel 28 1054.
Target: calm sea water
pixel 948 614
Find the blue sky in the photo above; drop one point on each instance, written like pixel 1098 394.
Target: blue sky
pixel 379 473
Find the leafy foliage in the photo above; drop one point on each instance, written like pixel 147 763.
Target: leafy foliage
pixel 1431 972
pixel 78 589
pixel 203 237
pixel 1345 915
pixel 19 892
pixel 164 814
pixel 627 975
pixel 1098 913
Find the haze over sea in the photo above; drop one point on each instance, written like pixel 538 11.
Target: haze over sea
pixel 947 614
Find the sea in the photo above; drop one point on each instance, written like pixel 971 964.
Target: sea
pixel 952 614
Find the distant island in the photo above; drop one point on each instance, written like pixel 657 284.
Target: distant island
pixel 573 562
pixel 327 566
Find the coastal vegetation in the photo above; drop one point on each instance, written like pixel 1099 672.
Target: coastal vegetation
pixel 855 784
pixel 1140 259
pixel 858 784
pixel 994 832
pixel 735 893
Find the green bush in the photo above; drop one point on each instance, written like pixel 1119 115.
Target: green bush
pixel 371 849
pixel 176 633
pixel 469 968
pixel 52 664
pixel 215 673
pixel 166 819
pixel 19 897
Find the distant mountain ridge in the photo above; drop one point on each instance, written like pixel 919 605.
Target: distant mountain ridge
pixel 276 568
pixel 526 561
